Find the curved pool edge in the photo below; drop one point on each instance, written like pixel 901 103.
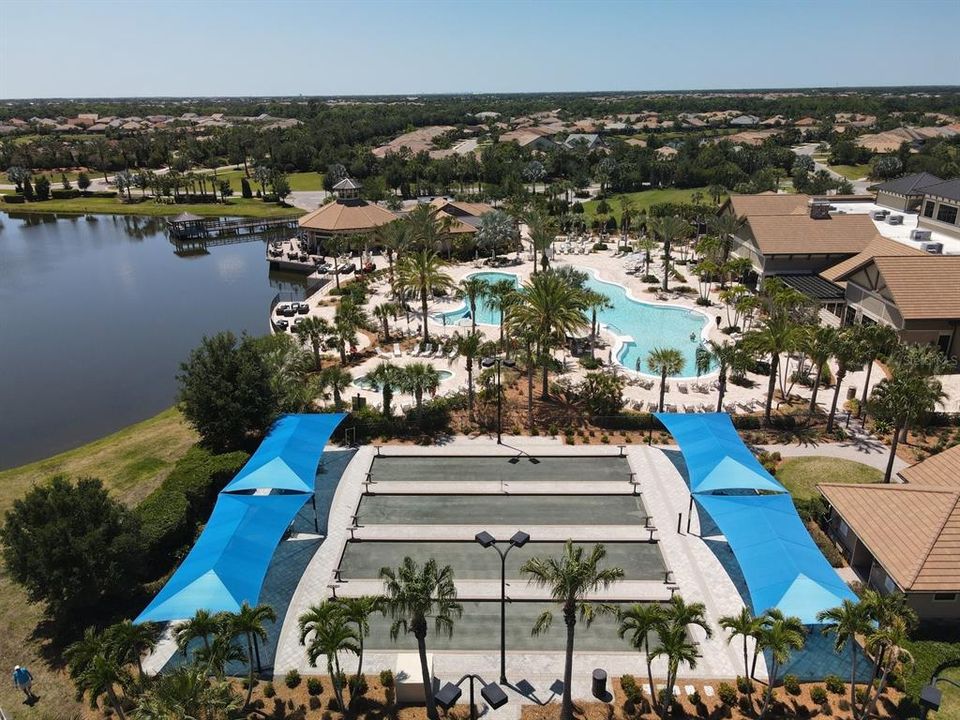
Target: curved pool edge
pixel 439 323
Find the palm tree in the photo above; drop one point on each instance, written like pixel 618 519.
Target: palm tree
pixel 80 653
pixel 202 625
pixel 187 692
pixel 415 594
pixel 726 357
pixel 133 641
pixel 248 621
pixel 778 333
pixel 387 377
pixel 383 313
pixel 348 319
pixel 640 621
pixel 887 644
pixel 473 289
pixel 899 401
pixel 314 329
pixel 674 645
pixel 222 652
pixel 551 309
pixel 744 625
pixel 847 350
pixel 337 380
pixel 845 622
pixel 877 341
pixel 781 636
pixel 647 245
pixel 726 227
pixel 417 379
pixel 422 273
pixel 669 229
pixel 665 361
pixel 500 296
pixel 468 347
pixel 596 302
pixel 817 343
pixel 429 229
pixel 543 231
pixel 332 635
pixel 496 229
pixel 357 610
pixel 570 578
pixel 101 677
pixel 394 238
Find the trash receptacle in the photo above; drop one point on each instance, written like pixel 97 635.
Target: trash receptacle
pixel 599 683
pixel 851 392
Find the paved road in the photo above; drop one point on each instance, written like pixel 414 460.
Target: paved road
pixel 860 187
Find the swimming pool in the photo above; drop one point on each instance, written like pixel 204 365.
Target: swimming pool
pixel 649 326
pixel 364 384
pixel 486 315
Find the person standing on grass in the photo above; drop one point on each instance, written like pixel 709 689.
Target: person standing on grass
pixel 23 680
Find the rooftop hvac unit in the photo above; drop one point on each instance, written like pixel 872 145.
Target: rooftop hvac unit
pixel 934 248
pixel 920 235
pixel 820 209
pixel 895 220
pixel 879 214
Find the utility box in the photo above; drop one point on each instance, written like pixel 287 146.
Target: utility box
pixel 408 678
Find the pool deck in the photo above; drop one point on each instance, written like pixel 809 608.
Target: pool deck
pixel 699 572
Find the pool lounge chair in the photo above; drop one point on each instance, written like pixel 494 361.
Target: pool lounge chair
pixel 689 689
pixel 682 387
pixel 396 350
pixel 651 407
pixel 382 353
pixel 708 690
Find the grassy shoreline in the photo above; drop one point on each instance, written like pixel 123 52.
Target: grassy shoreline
pixel 131 462
pixel 233 207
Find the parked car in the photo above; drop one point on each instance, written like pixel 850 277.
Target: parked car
pixel 283 308
pixel 297 322
pixel 348 268
pixel 324 267
pixel 281 324
pixel 369 267
pixel 303 309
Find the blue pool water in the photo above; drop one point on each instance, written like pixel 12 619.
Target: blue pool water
pixel 486 315
pixel 649 326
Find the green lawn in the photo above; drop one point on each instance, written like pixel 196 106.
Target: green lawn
pixel 644 199
pixel 131 462
pixel 112 206
pixel 852 172
pixel 800 475
pixel 950 703
pixel 298 181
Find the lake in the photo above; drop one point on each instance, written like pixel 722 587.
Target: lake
pixel 96 315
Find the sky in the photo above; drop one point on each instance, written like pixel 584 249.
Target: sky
pixel 124 48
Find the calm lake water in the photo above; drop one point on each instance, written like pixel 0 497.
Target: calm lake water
pixel 95 317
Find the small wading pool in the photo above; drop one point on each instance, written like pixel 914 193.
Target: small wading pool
pixel 486 314
pixel 364 384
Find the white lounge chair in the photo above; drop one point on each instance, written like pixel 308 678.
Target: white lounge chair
pixel 708 690
pixel 396 350
pixel 382 353
pixel 689 689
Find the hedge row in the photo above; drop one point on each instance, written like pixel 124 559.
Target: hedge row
pixel 61 194
pixel 14 199
pixel 646 421
pixel 170 514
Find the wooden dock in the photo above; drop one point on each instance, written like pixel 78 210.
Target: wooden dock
pixel 186 227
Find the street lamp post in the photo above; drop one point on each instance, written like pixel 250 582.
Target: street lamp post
pixel 487 540
pixel 492 694
pixel 489 362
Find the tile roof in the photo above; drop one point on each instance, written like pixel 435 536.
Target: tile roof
pixel 792 234
pixel 949 189
pixel 940 470
pixel 878 246
pixel 769 204
pixel 913 532
pixel 909 184
pixel 925 287
pixel 347 216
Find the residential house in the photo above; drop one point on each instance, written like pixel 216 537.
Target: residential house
pixel 465 216
pixel 905 537
pixel 532 137
pixel 745 120
pixel 590 141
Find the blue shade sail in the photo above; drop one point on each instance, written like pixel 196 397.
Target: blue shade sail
pixel 287 458
pixel 715 455
pixel 230 558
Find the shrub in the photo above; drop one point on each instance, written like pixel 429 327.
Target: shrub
pixel 834 684
pixel 818 694
pixel 683 290
pixel 791 684
pixel 694 698
pixel 292 679
pixel 358 684
pixel 599 246
pixel 727 694
pixel 269 690
pixel 314 686
pixel 590 363
pixel 170 514
pixel 630 688
pixel 744 684
pixel 826 545
pixel 861 695
pixel 604 439
pixel 100 193
pixel 386 678
pixel 61 194
pixel 14 199
pixel 552 430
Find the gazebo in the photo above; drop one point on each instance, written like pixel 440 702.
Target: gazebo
pixel 187 225
pixel 349 214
